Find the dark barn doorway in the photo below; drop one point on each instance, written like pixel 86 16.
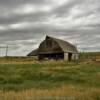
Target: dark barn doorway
pixel 55 56
pixel 69 56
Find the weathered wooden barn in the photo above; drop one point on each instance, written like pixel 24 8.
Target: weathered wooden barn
pixel 52 48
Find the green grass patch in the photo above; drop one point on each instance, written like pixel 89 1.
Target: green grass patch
pixel 47 75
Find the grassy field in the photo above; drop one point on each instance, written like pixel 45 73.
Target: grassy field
pixel 86 56
pixel 29 80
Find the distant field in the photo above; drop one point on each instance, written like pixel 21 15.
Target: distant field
pixel 28 81
pixel 17 60
pixel 84 56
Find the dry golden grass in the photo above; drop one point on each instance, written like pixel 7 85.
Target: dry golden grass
pixel 68 92
pixel 18 60
pixel 27 60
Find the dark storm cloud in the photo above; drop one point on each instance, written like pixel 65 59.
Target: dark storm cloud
pixel 24 23
pixel 11 3
pixel 14 17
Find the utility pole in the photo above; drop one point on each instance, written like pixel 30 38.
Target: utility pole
pixel 6 51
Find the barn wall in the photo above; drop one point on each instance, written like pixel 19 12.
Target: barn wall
pixel 66 56
pixel 75 56
pixel 71 57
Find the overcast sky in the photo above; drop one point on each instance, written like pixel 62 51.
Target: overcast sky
pixel 25 23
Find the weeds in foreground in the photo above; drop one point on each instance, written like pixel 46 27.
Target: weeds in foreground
pixel 66 92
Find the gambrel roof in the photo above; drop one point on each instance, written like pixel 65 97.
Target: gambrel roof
pixel 64 45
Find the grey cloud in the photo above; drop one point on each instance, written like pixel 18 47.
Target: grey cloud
pixel 66 7
pixel 61 21
pixel 15 18
pixel 12 3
